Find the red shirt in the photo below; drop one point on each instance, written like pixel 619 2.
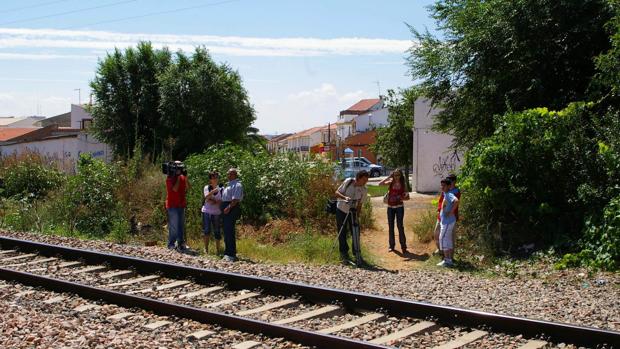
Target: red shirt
pixel 176 199
pixel 395 196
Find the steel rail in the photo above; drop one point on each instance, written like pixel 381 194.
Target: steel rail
pixel 529 328
pixel 296 335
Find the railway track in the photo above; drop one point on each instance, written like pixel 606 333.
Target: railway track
pixel 309 315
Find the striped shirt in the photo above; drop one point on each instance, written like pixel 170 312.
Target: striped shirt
pixel 233 191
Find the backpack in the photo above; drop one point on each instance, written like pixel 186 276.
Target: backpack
pixel 332 204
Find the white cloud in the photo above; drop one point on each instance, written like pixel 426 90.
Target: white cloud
pixel 226 45
pixel 40 56
pixel 28 104
pixel 313 107
pixel 5 97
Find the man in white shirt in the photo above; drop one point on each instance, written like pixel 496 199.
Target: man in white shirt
pixel 232 195
pixel 350 191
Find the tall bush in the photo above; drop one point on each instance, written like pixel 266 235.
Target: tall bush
pixel 87 202
pixel 537 178
pixel 275 185
pixel 30 177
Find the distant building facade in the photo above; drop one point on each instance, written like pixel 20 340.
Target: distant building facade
pixel 62 144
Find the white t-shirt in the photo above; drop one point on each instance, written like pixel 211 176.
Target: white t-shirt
pixel 352 191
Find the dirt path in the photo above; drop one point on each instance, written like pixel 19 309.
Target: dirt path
pixel 376 240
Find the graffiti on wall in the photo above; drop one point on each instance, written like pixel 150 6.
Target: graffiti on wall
pixel 446 165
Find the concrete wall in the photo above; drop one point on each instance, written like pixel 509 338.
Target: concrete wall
pixel 433 159
pixel 64 150
pixel 78 114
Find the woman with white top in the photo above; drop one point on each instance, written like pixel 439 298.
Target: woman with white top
pixel 211 212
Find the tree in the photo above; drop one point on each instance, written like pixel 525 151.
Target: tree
pixel 126 91
pixel 497 56
pixel 395 141
pixel 203 103
pixel 150 99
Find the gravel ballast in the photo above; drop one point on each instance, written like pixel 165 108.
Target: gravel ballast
pixel 563 296
pixel 27 322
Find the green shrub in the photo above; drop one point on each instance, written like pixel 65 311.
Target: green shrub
pixel 424 228
pixel 601 242
pixel 537 178
pixel 30 179
pixel 275 186
pixel 87 202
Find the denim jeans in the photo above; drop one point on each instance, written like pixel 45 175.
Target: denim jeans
pixel 211 223
pixel 228 221
pixel 397 213
pixel 176 220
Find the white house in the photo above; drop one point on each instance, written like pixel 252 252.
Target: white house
pixel 433 158
pixel 370 120
pixel 303 141
pixel 63 144
pixel 347 123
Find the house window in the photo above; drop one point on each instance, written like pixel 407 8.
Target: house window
pixel 86 123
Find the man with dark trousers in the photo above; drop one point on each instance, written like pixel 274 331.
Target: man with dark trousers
pixel 232 195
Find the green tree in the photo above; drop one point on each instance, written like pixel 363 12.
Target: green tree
pixel 395 141
pixel 183 104
pixel 495 56
pixel 127 96
pixel 203 103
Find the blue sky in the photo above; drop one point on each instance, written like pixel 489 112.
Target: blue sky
pixel 301 61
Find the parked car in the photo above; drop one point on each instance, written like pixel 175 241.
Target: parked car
pixel 354 165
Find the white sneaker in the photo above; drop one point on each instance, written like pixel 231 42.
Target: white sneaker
pixel 229 258
pixel 441 264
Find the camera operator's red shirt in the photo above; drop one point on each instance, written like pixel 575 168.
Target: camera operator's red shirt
pixel 176 199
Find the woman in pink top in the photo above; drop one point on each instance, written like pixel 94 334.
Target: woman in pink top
pixel 211 211
pixel 397 192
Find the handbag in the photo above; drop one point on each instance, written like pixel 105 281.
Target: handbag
pixel 332 204
pixel 386 197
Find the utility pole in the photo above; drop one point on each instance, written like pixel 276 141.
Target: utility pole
pixel 79 95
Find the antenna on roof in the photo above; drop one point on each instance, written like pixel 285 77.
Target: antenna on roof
pixel 378 86
pixel 79 95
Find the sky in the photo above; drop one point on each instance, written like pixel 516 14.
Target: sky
pixel 301 61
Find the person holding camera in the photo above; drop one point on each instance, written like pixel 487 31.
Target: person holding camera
pixel 211 212
pixel 397 192
pixel 232 195
pixel 352 190
pixel 177 185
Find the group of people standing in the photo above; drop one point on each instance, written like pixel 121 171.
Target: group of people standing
pixel 354 191
pixel 220 211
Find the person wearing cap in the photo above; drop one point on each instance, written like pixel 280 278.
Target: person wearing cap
pixel 232 195
pixel 448 219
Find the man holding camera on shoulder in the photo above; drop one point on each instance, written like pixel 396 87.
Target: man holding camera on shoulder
pixel 177 185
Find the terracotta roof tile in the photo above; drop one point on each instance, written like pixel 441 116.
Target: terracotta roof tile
pixel 7 133
pixel 361 106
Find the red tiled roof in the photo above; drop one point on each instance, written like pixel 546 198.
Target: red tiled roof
pixel 362 106
pixel 7 133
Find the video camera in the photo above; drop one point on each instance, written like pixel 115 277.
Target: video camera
pixel 170 168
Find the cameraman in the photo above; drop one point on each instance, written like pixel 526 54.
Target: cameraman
pixel 177 185
pixel 351 190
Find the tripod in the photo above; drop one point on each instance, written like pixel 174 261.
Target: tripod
pixel 352 219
